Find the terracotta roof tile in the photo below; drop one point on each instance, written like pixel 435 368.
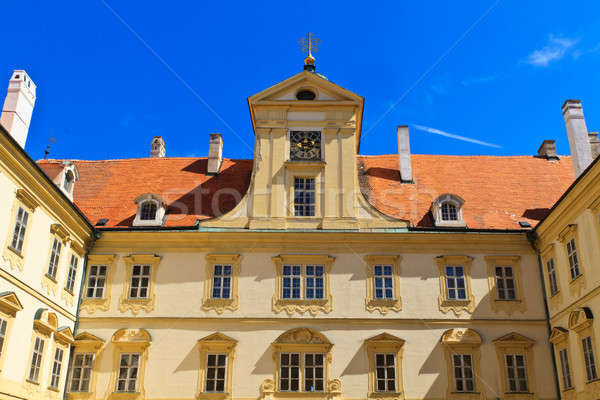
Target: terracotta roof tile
pixel 108 188
pixel 499 191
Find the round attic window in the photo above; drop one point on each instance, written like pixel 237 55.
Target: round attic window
pixel 306 94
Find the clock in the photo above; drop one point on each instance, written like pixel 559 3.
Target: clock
pixel 305 145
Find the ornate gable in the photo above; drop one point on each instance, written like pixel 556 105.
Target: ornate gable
pixel 514 338
pixel 9 303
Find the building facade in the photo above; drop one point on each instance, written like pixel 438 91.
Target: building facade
pixel 312 271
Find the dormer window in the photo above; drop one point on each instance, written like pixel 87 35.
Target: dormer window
pixel 447 211
pixel 150 210
pixel 70 175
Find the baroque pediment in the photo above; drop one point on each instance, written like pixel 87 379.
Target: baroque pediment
pixel 302 336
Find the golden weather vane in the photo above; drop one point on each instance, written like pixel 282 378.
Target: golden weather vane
pixel 309 44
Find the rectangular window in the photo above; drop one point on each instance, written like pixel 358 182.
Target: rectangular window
pixel 81 372
pixel 455 282
pixel 516 372
pixel 19 231
pixel 565 368
pixel 216 365
pixel 3 325
pixel 36 359
pixel 54 257
pixel 383 281
pixel 385 372
pixel 70 284
pixel 590 360
pixel 289 372
pixel 304 197
pixel 314 372
pixel 573 259
pixel 310 277
pixel 314 282
pixel 505 283
pixel 128 373
pixel 96 282
pixel 222 282
pixel 292 276
pixel 140 282
pixel 552 281
pixel 56 367
pixel 463 372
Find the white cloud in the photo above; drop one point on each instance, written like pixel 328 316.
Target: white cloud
pixel 453 136
pixel 555 50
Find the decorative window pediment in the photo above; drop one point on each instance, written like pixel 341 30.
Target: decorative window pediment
pixel 86 342
pixel 151 210
pixel 580 319
pixel 129 364
pixel 9 303
pixel 447 211
pixel 558 335
pixel 217 353
pixel 64 335
pixel 515 360
pixel 45 322
pixel 385 353
pixel 462 353
pixel 305 354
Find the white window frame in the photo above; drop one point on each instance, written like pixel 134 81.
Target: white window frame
pixel 72 273
pixel 56 367
pixel 140 279
pixel 19 229
pixel 573 257
pixel 95 287
pixel 290 366
pixel 160 210
pixel 221 278
pixel 565 368
pixel 303 371
pixel 516 380
pixel 589 358
pixel 438 214
pixel 463 367
pixel 54 258
pixel 386 370
pixel 552 278
pixel 455 278
pixel 132 372
pixel 306 205
pixel 502 282
pixel 303 279
pixel 37 355
pixel 83 384
pixel 385 279
pixel 216 369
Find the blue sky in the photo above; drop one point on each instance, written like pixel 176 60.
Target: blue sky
pixel 493 71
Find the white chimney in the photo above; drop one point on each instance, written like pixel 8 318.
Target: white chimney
pixel 404 164
pixel 18 106
pixel 215 154
pixel 579 140
pixel 157 148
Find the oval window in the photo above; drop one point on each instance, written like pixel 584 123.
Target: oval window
pixel 306 95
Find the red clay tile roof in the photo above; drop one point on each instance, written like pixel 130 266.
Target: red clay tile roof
pixel 499 191
pixel 107 189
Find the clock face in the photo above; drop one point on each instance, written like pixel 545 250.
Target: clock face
pixel 305 145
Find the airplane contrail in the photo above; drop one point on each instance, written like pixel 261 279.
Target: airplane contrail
pixel 453 136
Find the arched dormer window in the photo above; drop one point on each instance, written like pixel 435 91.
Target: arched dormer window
pixel 150 210
pixel 447 211
pixel 70 175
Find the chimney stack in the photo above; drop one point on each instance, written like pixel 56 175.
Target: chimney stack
pixel 215 154
pixel 547 150
pixel 157 148
pixel 579 140
pixel 18 106
pixel 594 144
pixel 404 164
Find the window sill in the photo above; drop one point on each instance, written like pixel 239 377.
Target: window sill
pixel 79 395
pixel 457 306
pixel 386 395
pixel 52 278
pixel 135 305
pixel 305 164
pixel 15 258
pixel 384 306
pixel 219 306
pixel 53 389
pixel 15 251
pixel 125 395
pixel 32 382
pixel 301 305
pixel 213 395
